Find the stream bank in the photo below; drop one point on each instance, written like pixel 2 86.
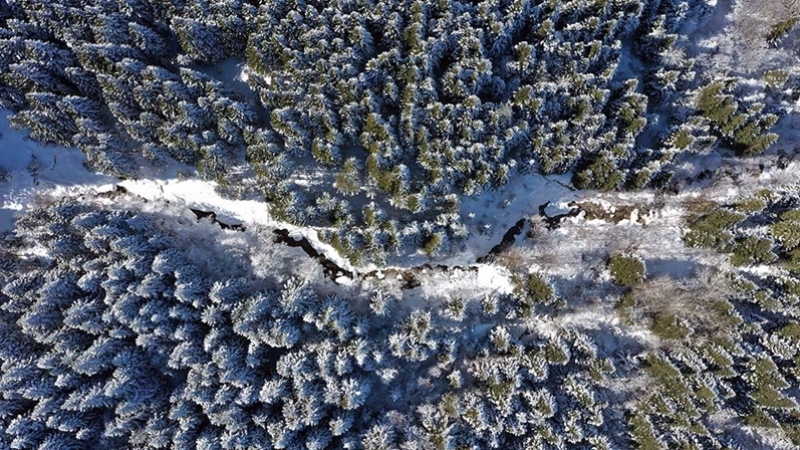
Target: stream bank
pixel 408 276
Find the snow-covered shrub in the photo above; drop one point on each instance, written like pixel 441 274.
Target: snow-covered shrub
pixel 535 289
pixel 626 270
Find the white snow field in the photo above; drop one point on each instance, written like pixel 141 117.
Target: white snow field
pixel 31 170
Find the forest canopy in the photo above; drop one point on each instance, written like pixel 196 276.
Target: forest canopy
pixel 394 110
pixel 314 224
pixel 119 329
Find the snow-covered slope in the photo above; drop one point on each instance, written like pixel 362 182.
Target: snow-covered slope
pixel 30 169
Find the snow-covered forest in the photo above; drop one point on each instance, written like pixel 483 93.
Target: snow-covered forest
pixel 361 224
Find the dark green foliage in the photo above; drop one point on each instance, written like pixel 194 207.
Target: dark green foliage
pixel 744 131
pixel 601 174
pixel 787 232
pixel 347 181
pixel 750 205
pixel 538 289
pixel 667 327
pixel 776 78
pixel 666 374
pixel 640 179
pixel 702 325
pixel 624 308
pixel 642 433
pixel 534 289
pixel 781 29
pixel 626 270
pixel 733 232
pixel 432 244
pixel 752 250
pixel 712 230
pixel 768 383
pixel 681 139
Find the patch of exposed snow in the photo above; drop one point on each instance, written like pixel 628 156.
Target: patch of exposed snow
pixel 244 74
pixel 494 278
pixel 32 168
pixel 489 215
pixel 200 194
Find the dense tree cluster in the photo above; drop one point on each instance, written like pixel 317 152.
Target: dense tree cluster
pixel 113 336
pixel 370 120
pixel 110 78
pixel 763 229
pixel 393 109
pixel 116 338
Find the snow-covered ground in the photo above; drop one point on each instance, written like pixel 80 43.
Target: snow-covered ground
pixel 573 256
pixel 31 169
pixel 488 216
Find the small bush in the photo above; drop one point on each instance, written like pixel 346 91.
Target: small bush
pixel 531 290
pixel 432 244
pixel 625 270
pixel 538 290
pixel 668 327
pixel 681 139
pixel 792 262
pixel 760 420
pixel 781 29
pixel 776 78
pixel 625 307
pixel 787 233
pixel 639 179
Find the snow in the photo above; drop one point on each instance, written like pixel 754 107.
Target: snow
pixel 572 257
pixel 489 280
pixel 493 277
pixel 201 194
pixel 244 75
pixel 33 168
pixel 488 216
pixel 577 249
